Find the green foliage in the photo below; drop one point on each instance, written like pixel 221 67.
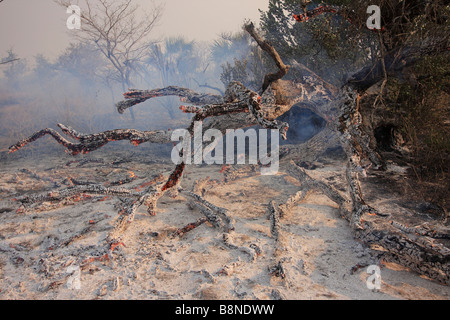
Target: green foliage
pixel 236 72
pixel 327 44
pixel 422 103
pixel 241 60
pixel 418 98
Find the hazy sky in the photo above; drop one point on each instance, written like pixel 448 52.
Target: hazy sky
pixel 39 26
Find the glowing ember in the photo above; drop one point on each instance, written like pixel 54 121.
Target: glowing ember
pixel 81 197
pixel 313 13
pixel 117 244
pixel 105 257
pixel 174 177
pixel 325 9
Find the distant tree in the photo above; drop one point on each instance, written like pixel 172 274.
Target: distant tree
pixel 240 59
pixel 9 61
pixel 14 67
pixel 230 46
pixel 175 61
pixel 119 32
pixel 80 60
pixel 43 69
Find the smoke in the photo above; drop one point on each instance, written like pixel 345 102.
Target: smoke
pixel 79 89
pixel 303 125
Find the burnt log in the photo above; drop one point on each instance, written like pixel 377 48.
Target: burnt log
pixel 240 107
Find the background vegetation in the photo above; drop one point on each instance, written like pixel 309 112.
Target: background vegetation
pixel 80 87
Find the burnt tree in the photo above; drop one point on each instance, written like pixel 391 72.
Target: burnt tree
pixel 240 107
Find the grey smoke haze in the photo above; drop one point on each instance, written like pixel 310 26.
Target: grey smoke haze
pixel 70 87
pixel 68 83
pixel 31 27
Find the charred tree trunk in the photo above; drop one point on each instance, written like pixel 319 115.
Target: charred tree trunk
pixel 241 107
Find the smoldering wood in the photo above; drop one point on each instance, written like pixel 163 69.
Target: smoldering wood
pixel 287 207
pixel 266 46
pixel 135 97
pixel 274 216
pixel 240 107
pixel 76 182
pixel 91 142
pixel 249 100
pixel 61 194
pixel 210 215
pixel 307 184
pixel 419 253
pixel 156 178
pixel 413 247
pixel 122 181
pixel 77 236
pixel 190 226
pixel 217 216
pixel 423 230
pixel 278 270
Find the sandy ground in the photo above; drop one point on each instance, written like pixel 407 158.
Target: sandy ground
pixel 319 249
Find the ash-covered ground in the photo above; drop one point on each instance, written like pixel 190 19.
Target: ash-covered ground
pixel 55 250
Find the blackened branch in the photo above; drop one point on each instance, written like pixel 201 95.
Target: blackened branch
pixel 267 47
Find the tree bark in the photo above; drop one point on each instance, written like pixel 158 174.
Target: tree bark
pixel 241 107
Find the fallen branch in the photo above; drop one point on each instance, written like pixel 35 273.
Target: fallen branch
pixel 91 142
pixel 190 226
pixel 217 216
pixel 413 247
pixel 239 108
pixel 135 97
pixel 266 46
